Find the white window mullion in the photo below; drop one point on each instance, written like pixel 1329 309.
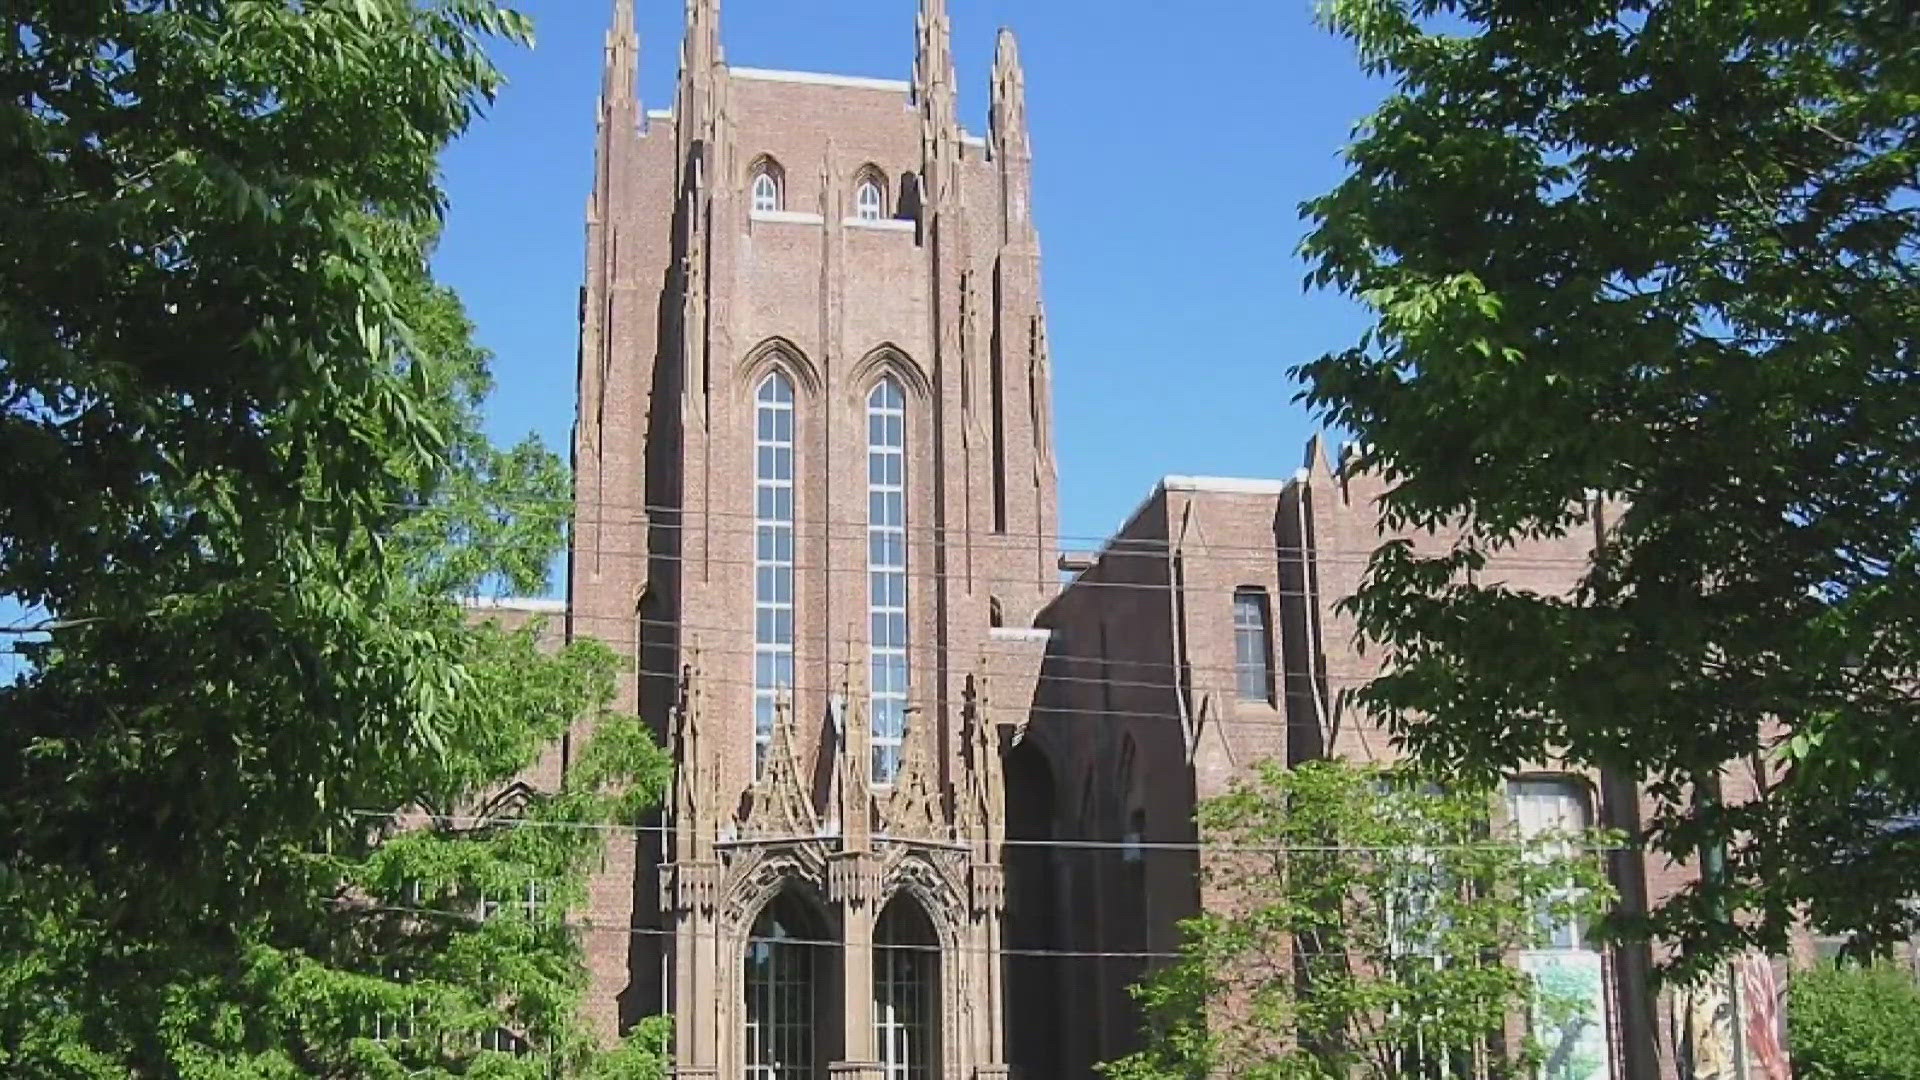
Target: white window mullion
pixel 773 617
pixel 887 575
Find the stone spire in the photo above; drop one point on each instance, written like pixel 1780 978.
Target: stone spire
pixel 698 105
pixel 621 73
pixel 701 48
pixel 616 142
pixel 1012 150
pixel 1009 111
pixel 933 90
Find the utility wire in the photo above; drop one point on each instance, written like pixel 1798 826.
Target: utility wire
pixel 607 513
pixel 482 821
pixel 589 926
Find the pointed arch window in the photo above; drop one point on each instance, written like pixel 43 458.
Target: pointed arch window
pixel 869 200
pixel 767 188
pixel 784 979
pixel 772 556
pixel 887 573
pixel 906 980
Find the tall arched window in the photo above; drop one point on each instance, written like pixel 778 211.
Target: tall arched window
pixel 887 572
pixel 906 981
pixel 772 555
pixel 784 977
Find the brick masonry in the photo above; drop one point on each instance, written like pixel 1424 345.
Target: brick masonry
pixel 1100 707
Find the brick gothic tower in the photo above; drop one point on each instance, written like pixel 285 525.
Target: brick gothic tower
pixel 816 503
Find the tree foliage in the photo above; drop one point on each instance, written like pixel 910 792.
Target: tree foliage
pixel 1853 1023
pixel 1361 923
pixel 1663 252
pixel 242 476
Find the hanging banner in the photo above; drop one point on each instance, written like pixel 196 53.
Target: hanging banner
pixel 1708 1050
pixel 1569 1014
pixel 1763 1006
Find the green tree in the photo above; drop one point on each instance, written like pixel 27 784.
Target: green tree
pixel 245 830
pixel 1661 252
pixel 1360 924
pixel 1853 1023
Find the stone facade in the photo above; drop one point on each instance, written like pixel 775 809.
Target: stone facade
pixel 816 507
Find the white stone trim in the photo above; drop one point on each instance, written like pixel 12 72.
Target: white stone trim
pixel 1035 634
pixel 817 78
pixel 659 114
pixel 971 139
pixel 1225 485
pixel 515 603
pixel 788 217
pixel 906 225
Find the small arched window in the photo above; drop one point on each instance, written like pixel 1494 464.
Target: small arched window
pixel 768 195
pixel 869 201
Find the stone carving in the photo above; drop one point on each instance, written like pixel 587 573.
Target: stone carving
pixel 689 886
pixel 981 813
pixel 989 888
pixel 1007 115
pixel 853 769
pixel 780 807
pixel 691 880
pixel 922 875
pixel 913 811
pixel 853 874
pixel 755 875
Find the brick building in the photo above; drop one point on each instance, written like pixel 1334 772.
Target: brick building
pixel 816 504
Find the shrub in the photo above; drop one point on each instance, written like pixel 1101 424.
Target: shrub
pixel 1854 1023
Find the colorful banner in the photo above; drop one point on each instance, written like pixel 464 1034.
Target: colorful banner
pixel 1570 1014
pixel 1763 1006
pixel 1707 1047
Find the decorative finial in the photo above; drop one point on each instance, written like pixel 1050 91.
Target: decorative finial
pixel 621 72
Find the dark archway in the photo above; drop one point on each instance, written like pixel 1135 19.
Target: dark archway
pixel 1037 986
pixel 789 975
pixel 906 991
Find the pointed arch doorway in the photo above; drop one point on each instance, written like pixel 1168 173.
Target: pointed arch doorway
pixel 790 976
pixel 906 991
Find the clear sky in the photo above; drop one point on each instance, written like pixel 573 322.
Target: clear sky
pixel 1173 143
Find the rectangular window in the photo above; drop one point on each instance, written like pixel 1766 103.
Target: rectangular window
pixel 1252 646
pixel 1550 808
pixel 1574 1029
pixel 397 1026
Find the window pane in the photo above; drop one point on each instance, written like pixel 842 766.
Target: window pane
pixel 1252 647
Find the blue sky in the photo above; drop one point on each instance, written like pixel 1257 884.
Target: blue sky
pixel 1173 143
